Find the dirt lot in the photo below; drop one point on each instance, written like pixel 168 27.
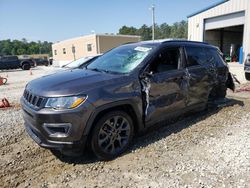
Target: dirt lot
pixel 208 149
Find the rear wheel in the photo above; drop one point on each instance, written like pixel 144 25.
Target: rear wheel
pixel 247 76
pixel 218 92
pixel 26 66
pixel 112 135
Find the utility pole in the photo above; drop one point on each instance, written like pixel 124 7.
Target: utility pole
pixel 152 8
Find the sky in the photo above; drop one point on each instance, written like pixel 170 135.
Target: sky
pixel 56 20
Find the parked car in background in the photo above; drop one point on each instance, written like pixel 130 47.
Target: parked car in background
pixel 80 63
pixel 12 62
pixel 41 61
pixel 121 93
pixel 247 67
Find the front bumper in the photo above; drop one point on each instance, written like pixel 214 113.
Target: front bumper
pixel 247 68
pixel 75 120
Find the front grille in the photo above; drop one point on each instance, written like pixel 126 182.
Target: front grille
pixel 32 99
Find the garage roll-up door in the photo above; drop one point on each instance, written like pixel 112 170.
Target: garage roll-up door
pixel 225 21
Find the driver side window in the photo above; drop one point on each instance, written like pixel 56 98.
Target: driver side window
pixel 167 60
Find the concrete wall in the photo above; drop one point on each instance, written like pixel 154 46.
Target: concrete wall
pixel 196 22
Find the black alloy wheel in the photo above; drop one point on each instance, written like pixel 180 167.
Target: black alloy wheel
pixel 112 135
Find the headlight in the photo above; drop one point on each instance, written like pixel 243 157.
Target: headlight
pixel 65 102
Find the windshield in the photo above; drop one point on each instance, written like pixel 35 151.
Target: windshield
pixel 78 62
pixel 122 59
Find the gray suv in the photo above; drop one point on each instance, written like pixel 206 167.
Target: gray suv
pixel 123 92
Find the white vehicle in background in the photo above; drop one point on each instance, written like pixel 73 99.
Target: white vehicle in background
pixel 80 63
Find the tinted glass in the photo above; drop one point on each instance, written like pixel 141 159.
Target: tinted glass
pixel 214 57
pixel 167 60
pixel 196 56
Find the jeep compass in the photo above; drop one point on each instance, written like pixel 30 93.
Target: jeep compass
pixel 121 93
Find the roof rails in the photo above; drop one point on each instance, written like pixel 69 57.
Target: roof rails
pixel 169 40
pixel 189 41
pixel 173 40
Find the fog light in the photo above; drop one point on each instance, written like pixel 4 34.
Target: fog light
pixel 57 129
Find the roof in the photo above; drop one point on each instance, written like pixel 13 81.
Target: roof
pixel 207 8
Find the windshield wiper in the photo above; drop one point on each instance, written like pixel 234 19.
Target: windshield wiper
pixel 103 71
pixel 96 69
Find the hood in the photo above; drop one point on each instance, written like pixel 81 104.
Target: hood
pixel 71 82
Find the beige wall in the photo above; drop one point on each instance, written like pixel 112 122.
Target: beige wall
pixel 80 45
pixel 99 44
pixel 108 42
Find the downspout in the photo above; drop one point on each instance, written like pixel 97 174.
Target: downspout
pixel 97 44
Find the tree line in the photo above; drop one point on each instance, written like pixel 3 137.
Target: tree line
pixel 162 31
pixel 23 47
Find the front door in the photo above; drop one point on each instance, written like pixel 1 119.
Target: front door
pixel 165 88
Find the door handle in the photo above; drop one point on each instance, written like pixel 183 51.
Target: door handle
pixel 211 70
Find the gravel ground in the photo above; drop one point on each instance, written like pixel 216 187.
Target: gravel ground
pixel 207 149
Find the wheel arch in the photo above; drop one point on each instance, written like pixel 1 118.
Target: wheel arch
pixel 126 106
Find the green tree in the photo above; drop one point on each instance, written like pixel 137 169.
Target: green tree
pixel 162 31
pixel 21 47
pixel 145 32
pixel 127 30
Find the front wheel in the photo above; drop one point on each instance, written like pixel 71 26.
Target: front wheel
pixel 247 76
pixel 112 135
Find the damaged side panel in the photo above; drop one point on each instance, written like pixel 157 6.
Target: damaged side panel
pixel 201 80
pixel 167 94
pixel 162 95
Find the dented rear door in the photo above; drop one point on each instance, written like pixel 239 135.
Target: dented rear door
pixel 201 74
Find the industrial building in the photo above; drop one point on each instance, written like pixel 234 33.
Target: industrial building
pixel 90 45
pixel 225 24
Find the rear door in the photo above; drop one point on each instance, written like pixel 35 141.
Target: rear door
pixel 166 88
pixel 201 73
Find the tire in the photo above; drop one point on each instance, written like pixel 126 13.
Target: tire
pixel 221 92
pixel 26 66
pixel 247 76
pixel 109 141
pixel 218 92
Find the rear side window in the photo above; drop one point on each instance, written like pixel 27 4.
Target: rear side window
pixel 12 58
pixel 214 57
pixel 196 56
